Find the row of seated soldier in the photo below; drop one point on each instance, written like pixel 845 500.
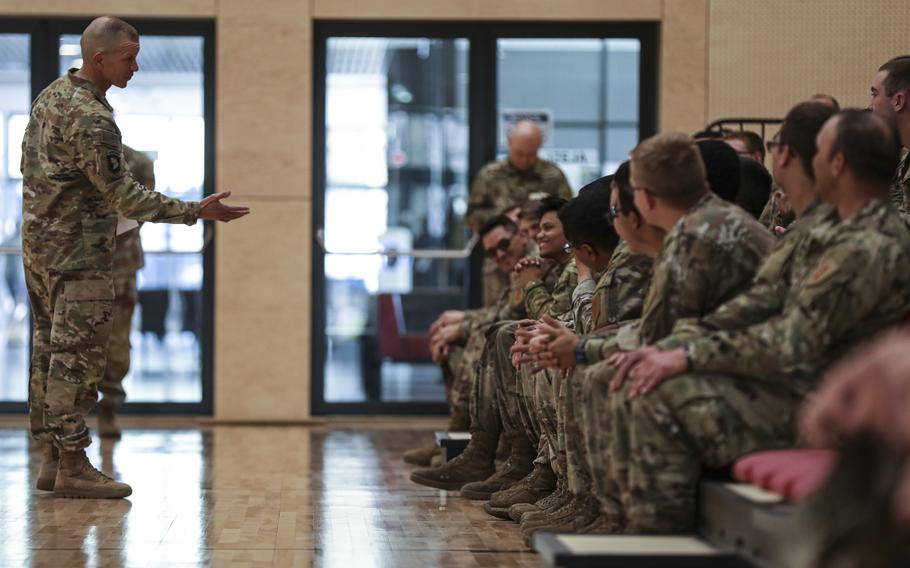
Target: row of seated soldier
pixel 681 314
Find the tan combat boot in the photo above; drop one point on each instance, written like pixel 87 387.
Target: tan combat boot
pixel 540 483
pixel 422 456
pixel 107 422
pixel 77 478
pixel 473 464
pixel 515 468
pixel 50 461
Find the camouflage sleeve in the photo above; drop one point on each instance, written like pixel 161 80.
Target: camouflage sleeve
pixel 540 301
pixel 480 205
pixel 582 302
pixel 563 189
pixel 843 286
pixel 99 154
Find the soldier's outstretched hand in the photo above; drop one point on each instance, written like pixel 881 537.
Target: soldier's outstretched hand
pixel 212 209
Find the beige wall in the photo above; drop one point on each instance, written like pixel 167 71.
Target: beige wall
pixel 718 57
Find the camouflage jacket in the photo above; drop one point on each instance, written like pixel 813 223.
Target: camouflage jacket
pixel 500 185
pixel 618 295
pixel 900 188
pixel 765 298
pixel 708 257
pixel 128 257
pixel 771 216
pixel 850 280
pixel 75 181
pixel 553 294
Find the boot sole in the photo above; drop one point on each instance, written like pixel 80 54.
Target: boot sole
pixel 46 484
pixel 497 512
pixel 70 494
pixel 420 463
pixel 437 484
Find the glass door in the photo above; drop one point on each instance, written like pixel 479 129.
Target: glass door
pixel 394 249
pixel 405 114
pixel 15 99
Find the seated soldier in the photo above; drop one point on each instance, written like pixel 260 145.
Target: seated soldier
pixel 709 254
pixel 721 168
pixel 540 287
pixel 734 388
pixel 457 335
pixel 747 144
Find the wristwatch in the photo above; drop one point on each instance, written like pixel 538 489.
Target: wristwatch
pixel 581 356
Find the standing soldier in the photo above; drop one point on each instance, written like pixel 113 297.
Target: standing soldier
pixel 74 185
pixel 505 184
pixel 128 259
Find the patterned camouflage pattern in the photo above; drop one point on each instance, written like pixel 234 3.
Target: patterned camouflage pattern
pixel 553 294
pixel 128 259
pixel 74 183
pixel 900 188
pixel 766 295
pixel 849 280
pixel 494 282
pixel 500 185
pixel 772 216
pixel 709 256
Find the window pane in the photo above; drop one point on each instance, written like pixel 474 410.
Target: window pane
pixel 622 80
pixel 15 98
pixel 396 164
pixel 160 114
pixel 585 93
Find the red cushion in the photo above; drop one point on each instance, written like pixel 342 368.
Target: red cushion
pixel 792 474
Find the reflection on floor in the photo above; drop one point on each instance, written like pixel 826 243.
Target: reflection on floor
pixel 251 496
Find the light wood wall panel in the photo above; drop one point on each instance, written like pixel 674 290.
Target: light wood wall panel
pixel 124 8
pixel 683 66
pixel 547 10
pixel 767 56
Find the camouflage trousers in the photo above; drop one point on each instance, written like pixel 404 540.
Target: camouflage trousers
pixel 571 435
pixel 658 444
pixel 459 369
pixel 539 391
pixel 118 350
pixel 72 316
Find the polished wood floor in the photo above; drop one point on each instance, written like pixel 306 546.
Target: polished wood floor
pixel 333 495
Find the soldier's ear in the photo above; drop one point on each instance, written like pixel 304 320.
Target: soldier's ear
pixel 899 101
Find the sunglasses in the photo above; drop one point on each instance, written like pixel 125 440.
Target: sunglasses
pixel 503 245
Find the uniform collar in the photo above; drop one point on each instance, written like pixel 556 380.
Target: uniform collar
pixel 533 171
pixel 86 84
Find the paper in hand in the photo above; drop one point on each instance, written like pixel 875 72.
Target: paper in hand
pixel 124 224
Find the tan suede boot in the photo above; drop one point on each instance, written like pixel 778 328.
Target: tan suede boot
pixel 540 483
pixel 77 478
pixel 515 468
pixel 50 462
pixel 422 456
pixel 474 464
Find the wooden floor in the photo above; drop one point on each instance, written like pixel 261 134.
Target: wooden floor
pixel 334 495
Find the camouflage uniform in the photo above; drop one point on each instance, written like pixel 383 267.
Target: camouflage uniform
pixel 499 185
pixel 771 216
pixel 617 297
pixel 900 189
pixel 461 364
pixel 74 183
pixel 707 258
pixel 128 259
pixel 848 280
